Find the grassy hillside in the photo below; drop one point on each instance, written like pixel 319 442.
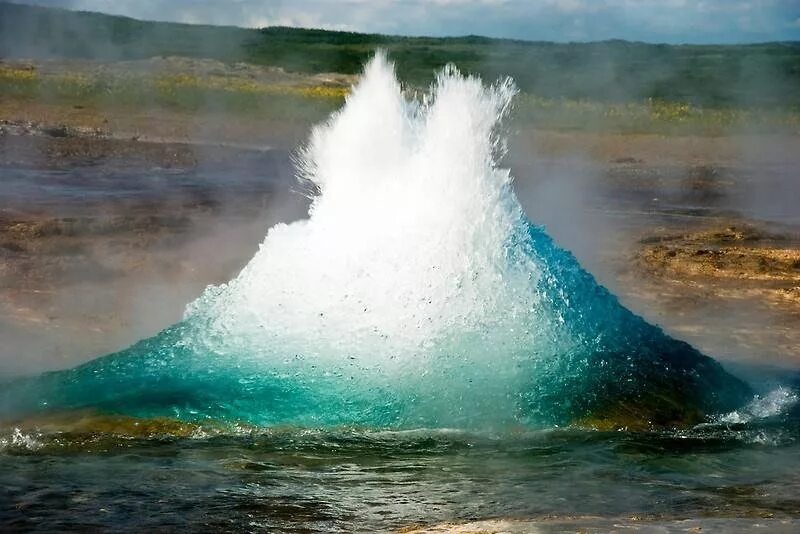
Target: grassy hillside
pixel 758 75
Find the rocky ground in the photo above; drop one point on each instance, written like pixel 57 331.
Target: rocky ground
pixel 732 286
pixel 733 260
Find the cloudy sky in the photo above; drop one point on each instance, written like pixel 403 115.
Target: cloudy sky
pixel 671 21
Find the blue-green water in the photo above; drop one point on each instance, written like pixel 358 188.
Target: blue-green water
pixel 613 369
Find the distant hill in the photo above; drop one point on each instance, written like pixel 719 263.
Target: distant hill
pixel 763 75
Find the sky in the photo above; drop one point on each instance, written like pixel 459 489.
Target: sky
pixel 663 21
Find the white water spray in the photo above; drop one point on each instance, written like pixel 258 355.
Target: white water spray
pixel 407 240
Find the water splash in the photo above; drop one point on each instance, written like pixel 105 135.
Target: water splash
pixel 19 441
pixel 417 294
pixel 774 403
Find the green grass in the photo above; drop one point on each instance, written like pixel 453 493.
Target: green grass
pixel 652 116
pixel 192 93
pixel 177 92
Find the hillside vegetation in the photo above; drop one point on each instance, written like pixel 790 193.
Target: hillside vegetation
pixel 742 76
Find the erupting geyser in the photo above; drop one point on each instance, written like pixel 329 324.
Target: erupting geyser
pixel 417 294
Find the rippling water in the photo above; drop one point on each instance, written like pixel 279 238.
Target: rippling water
pixel 345 480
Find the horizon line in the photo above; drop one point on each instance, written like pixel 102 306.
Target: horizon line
pixel 400 36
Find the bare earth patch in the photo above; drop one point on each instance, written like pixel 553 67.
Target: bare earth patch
pixel 735 261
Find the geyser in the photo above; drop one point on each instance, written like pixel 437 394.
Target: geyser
pixel 417 294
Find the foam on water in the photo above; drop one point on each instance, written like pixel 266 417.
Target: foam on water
pixel 416 294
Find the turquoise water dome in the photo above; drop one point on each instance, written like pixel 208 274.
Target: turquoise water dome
pixel 417 294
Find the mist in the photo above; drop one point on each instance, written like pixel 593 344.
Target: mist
pixel 102 253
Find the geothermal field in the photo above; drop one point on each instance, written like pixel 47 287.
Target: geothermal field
pixel 299 280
